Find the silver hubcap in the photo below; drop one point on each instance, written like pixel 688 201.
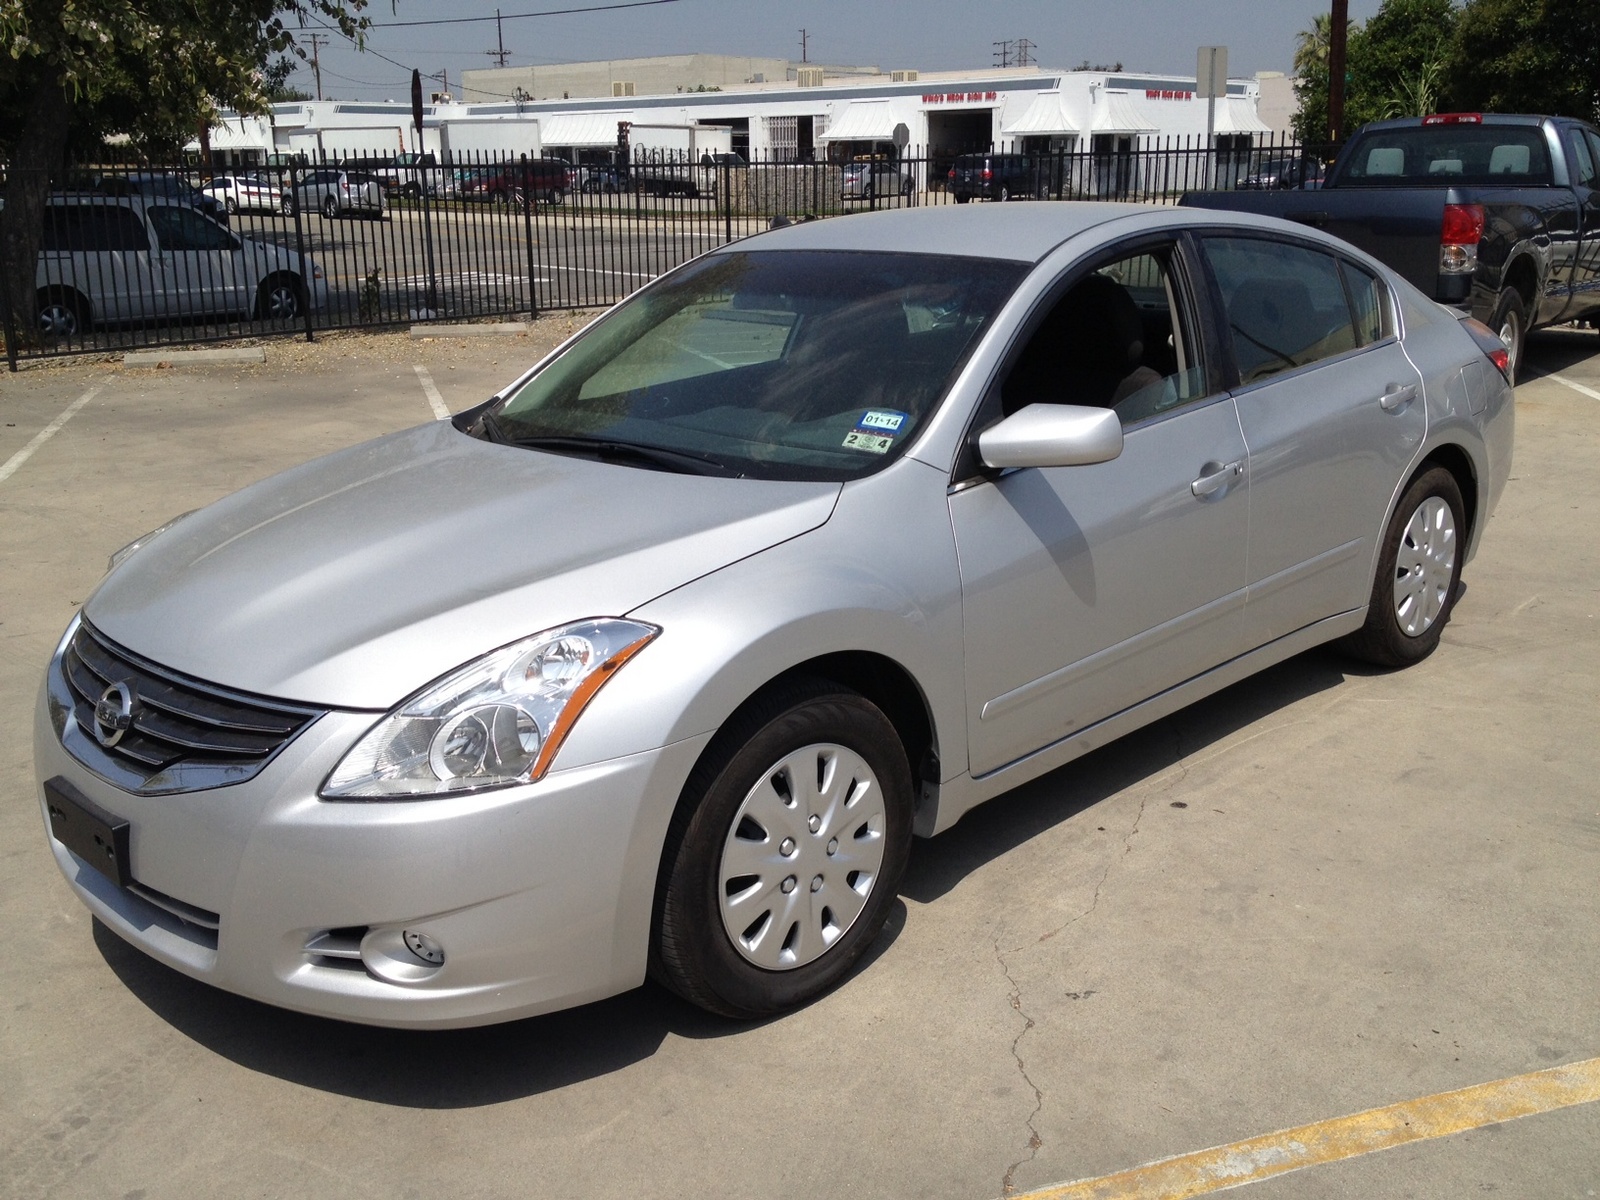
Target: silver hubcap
pixel 1509 330
pixel 281 302
pixel 1425 566
pixel 57 320
pixel 802 857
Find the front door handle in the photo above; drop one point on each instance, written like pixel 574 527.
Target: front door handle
pixel 1397 396
pixel 1216 475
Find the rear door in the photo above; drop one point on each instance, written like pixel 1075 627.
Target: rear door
pixel 1332 412
pixel 1583 155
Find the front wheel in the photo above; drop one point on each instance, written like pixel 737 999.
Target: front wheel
pixel 289 205
pixel 1005 194
pixel 1419 566
pixel 1510 321
pixel 230 204
pixel 785 855
pixel 330 207
pixel 278 299
pixel 62 314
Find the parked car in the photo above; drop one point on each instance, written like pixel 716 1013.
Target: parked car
pixel 117 260
pixel 246 191
pixel 167 185
pixel 1280 173
pixel 506 184
pixel 406 174
pixel 607 178
pixel 654 662
pixel 994 177
pixel 334 191
pixel 874 178
pixel 1498 213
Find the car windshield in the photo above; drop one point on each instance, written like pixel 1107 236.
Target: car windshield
pixel 775 364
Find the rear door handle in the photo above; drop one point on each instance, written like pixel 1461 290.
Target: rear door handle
pixel 1216 476
pixel 1397 396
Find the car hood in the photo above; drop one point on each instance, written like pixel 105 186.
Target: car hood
pixel 353 580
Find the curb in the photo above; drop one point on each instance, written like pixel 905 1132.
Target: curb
pixel 192 358
pixel 502 329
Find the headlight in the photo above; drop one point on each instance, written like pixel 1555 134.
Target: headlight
pixel 113 562
pixel 498 720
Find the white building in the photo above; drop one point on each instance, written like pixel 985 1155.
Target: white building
pixel 808 118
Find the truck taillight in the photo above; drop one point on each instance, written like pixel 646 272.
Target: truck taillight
pixel 987 173
pixel 1453 119
pixel 1459 236
pixel 952 176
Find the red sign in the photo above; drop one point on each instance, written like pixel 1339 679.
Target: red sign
pixel 958 97
pixel 1159 94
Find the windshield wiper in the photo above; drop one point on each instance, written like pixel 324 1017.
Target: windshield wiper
pixel 685 462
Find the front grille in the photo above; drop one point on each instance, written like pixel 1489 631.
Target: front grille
pixel 185 734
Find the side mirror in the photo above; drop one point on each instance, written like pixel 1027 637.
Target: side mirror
pixel 1052 435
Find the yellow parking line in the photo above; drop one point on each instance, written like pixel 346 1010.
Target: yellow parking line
pixel 1272 1154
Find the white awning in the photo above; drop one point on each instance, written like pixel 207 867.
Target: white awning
pixel 240 133
pixel 1236 114
pixel 581 129
pixel 1115 113
pixel 1045 116
pixel 861 121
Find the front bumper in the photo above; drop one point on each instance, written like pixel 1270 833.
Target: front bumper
pixel 540 896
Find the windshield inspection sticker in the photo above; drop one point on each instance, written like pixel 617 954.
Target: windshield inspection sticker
pixel 872 443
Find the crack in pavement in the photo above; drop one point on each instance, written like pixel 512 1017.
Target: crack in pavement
pixel 1008 1180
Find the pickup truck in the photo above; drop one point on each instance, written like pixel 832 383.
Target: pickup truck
pixel 1495 213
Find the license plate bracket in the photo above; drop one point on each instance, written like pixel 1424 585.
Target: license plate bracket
pixel 98 837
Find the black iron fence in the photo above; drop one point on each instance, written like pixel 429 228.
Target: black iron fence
pixel 142 255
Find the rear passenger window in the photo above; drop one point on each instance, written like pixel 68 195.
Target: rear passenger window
pixel 1285 304
pixel 1366 302
pixel 78 228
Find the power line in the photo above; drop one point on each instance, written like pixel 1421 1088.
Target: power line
pixel 553 12
pixel 1002 53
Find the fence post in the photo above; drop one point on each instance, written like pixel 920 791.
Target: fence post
pixel 10 330
pixel 727 201
pixel 527 235
pixel 300 246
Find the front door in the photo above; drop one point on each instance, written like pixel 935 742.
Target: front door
pixel 202 262
pixel 1086 589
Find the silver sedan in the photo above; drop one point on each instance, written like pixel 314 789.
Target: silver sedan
pixel 655 662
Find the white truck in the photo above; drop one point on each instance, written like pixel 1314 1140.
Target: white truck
pixel 679 160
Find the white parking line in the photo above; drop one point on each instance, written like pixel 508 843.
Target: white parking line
pixel 435 400
pixel 1564 381
pixel 45 434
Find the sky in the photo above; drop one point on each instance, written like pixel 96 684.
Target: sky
pixel 930 35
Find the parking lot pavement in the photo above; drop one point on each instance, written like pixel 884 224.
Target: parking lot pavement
pixel 1324 890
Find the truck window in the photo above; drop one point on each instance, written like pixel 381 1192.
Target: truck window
pixel 1286 305
pixel 1583 164
pixel 1471 154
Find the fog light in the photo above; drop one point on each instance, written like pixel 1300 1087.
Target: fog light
pixel 424 947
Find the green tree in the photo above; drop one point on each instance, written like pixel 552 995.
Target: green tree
pixel 73 72
pixel 1534 56
pixel 1396 58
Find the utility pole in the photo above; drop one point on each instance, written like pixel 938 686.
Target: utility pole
pixel 1025 50
pixel 1337 27
pixel 502 53
pixel 1003 53
pixel 805 39
pixel 317 41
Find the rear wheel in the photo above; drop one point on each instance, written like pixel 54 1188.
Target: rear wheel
pixel 1419 566
pixel 1005 194
pixel 63 313
pixel 289 206
pixel 229 203
pixel 1510 321
pixel 962 199
pixel 330 207
pixel 784 858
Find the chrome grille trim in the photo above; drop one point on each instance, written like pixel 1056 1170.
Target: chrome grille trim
pixel 186 734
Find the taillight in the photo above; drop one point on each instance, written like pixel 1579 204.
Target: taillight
pixel 1493 348
pixel 1453 119
pixel 1459 236
pixel 987 173
pixel 952 175
pixel 1502 359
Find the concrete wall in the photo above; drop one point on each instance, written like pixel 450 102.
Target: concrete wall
pixel 661 75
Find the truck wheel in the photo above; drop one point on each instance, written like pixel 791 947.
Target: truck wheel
pixel 1510 321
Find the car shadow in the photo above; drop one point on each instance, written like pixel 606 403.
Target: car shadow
pixel 1002 824
pixel 1559 348
pixel 458 1068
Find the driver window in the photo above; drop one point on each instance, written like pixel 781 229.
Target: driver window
pixel 184 229
pixel 1118 339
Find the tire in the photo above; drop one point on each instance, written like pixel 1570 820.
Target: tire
pixel 1005 194
pixel 1510 322
pixel 230 204
pixel 728 935
pixel 411 191
pixel 289 205
pixel 63 313
pixel 962 199
pixel 279 298
pixel 1419 570
pixel 330 207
